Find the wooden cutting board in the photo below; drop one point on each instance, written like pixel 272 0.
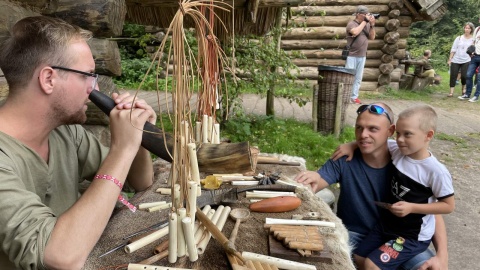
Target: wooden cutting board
pixel 276 249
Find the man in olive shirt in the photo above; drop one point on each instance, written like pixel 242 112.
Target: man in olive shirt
pixel 44 153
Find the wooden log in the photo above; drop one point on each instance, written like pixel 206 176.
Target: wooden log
pixel 299 44
pixel 105 18
pixel 332 62
pixel 384 79
pixel 107 57
pixel 334 10
pixel 369 86
pixel 341 21
pixel 11 13
pixel 369 74
pixel 390 48
pixel 341 2
pixel 236 3
pixel 395 14
pixel 392 25
pixel 391 37
pixel 396 4
pixel 386 68
pixel 386 58
pixel 333 33
pixel 252 10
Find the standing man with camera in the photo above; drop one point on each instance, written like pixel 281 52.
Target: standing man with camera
pixel 359 31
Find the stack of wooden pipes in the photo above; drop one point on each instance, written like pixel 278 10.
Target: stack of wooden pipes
pixel 303 239
pixel 207 131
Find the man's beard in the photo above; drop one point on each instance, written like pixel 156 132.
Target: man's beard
pixel 64 117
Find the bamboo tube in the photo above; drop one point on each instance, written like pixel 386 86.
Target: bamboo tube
pixel 244 183
pixel 146 240
pixel 280 263
pixel 201 229
pixel 205 128
pixel 251 195
pixel 164 191
pixel 223 218
pixel 271 221
pixel 198 129
pixel 188 231
pixel 172 238
pixel 134 266
pixel 285 227
pixel 192 199
pixel 210 129
pixel 216 133
pixel 161 248
pixel 151 204
pixel 308 246
pixel 181 249
pixel 155 258
pixel 192 152
pixel 159 207
pixel 176 196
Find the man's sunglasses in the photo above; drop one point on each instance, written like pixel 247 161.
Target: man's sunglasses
pixel 376 109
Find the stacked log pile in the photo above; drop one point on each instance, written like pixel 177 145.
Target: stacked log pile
pixel 105 18
pixel 319 33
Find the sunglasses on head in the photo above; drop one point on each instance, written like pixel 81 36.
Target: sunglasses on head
pixel 376 109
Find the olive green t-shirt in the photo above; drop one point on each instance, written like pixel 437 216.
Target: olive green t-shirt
pixel 33 193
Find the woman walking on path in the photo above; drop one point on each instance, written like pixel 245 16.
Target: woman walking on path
pixel 459 59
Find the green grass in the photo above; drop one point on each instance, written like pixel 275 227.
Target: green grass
pixel 286 136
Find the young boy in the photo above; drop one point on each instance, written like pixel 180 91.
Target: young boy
pixel 420 188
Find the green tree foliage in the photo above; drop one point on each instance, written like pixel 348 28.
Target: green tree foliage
pixel 439 35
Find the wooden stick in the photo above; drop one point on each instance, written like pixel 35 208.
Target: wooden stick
pixel 159 207
pixel 192 152
pixel 192 199
pixel 199 234
pixel 271 221
pixel 226 244
pixel 204 242
pixel 164 191
pixel 205 128
pixel 134 266
pixel 280 263
pixel 155 258
pixel 161 248
pixel 308 246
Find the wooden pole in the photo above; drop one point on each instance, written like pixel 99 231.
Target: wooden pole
pixel 315 107
pixel 338 111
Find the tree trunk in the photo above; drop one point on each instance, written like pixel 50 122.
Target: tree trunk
pixel 386 68
pixel 390 48
pixel 387 58
pixel 107 57
pixel 105 18
pixel 384 79
pixel 392 37
pixel 395 14
pixel 270 106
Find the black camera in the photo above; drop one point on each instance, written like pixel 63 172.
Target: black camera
pixel 375 15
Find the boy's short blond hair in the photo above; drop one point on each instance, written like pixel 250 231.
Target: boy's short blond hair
pixel 426 114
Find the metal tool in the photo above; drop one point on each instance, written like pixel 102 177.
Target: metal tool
pixel 151 228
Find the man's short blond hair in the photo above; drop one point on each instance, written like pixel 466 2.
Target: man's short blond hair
pixel 36 41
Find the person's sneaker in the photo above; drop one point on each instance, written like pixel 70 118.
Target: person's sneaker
pixel 463 97
pixel 473 99
pixel 355 100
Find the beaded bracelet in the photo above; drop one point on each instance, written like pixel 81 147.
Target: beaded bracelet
pixel 109 178
pixel 120 185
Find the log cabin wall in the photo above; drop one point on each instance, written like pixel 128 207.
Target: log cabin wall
pixel 105 18
pixel 319 33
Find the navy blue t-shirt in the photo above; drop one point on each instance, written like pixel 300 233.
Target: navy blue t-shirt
pixel 360 186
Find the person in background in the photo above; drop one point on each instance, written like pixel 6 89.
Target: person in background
pixel 472 67
pixel 459 59
pixel 363 28
pixel 45 153
pixel 365 179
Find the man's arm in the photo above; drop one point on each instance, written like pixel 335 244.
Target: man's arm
pixel 313 179
pixel 78 229
pixel 440 261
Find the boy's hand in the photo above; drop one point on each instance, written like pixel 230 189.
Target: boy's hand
pixel 401 209
pixel 346 149
pixel 309 178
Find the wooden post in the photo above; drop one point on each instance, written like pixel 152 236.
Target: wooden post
pixel 338 111
pixel 315 107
